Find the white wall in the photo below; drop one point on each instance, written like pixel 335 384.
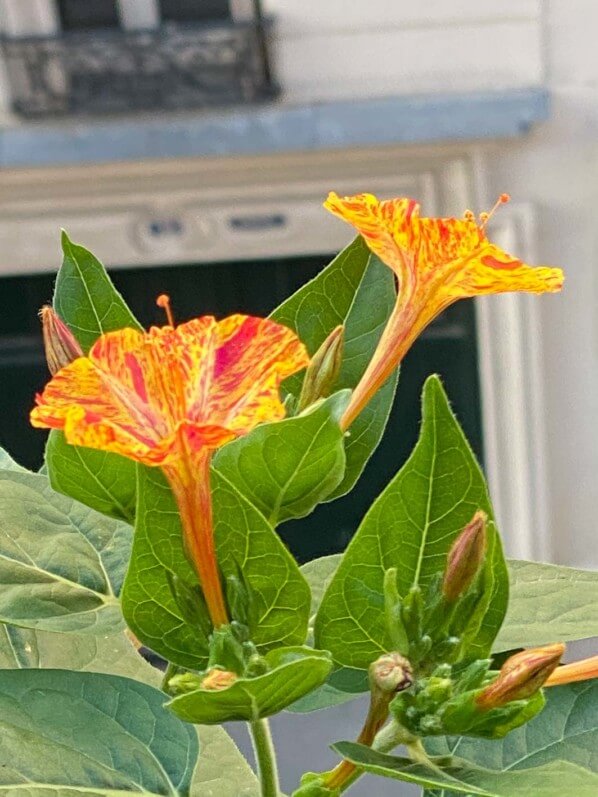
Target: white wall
pixel 557 169
pixel 350 48
pixel 339 49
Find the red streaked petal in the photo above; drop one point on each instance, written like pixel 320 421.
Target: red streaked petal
pixel 389 227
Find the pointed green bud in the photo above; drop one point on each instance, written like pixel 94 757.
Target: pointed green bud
pixel 412 614
pixel 465 558
pixel 192 605
pixel 184 683
pixel 392 609
pixel 323 370
pixel 226 652
pixel 60 344
pixel 472 676
pixel 256 665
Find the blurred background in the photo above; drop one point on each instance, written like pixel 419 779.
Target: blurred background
pixel 190 143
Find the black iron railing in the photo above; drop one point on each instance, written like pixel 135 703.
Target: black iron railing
pixel 174 67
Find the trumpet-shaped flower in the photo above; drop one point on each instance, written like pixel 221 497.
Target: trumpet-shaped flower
pixel 168 398
pixel 437 261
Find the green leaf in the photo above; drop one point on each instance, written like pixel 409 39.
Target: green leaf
pixel 286 468
pixel 222 771
pixel 67 733
pixel 61 564
pixel 343 684
pixel 88 302
pixel 8 463
pixel 548 603
pixel 462 777
pixel 26 648
pixel 243 540
pixel 358 291
pixel 411 526
pixel 97 478
pixel 295 672
pixel 325 696
pixel 318 574
pixel 566 730
pixel 86 299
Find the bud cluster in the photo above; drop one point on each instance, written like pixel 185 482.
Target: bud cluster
pixel 473 700
pixel 428 625
pixel 231 653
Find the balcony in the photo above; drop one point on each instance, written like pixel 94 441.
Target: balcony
pixel 174 67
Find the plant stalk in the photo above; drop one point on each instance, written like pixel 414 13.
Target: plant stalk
pixel 265 757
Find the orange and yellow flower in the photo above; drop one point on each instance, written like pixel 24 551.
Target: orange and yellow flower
pixel 437 261
pixel 169 398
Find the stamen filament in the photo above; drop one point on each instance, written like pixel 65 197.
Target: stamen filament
pixel 163 301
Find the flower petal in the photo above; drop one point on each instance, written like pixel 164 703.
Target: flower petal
pixel 491 270
pixel 204 382
pixel 387 226
pixel 251 357
pixel 79 401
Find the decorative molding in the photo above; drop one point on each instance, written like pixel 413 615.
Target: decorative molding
pixel 513 410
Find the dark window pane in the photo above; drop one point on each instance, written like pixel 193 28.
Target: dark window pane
pixel 82 15
pixel 193 10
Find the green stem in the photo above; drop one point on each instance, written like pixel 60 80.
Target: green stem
pixel 391 736
pixel 170 672
pixel 265 757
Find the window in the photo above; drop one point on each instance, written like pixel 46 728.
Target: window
pixel 77 15
pixel 194 10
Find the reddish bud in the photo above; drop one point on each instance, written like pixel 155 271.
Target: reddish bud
pixel 521 676
pixel 60 344
pixel 465 558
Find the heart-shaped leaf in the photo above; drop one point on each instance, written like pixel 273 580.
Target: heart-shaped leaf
pixel 358 291
pixel 294 672
pixel 61 563
pixel 88 302
pixel 548 603
pixel 72 733
pixel 411 527
pixel 244 541
pixel 286 468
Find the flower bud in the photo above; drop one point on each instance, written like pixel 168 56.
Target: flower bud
pixel 465 558
pixel 60 344
pixel 390 674
pixel 215 680
pixel 323 369
pixel 521 676
pixel 183 683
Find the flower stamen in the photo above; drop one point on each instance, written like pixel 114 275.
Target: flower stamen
pixel 487 215
pixel 163 301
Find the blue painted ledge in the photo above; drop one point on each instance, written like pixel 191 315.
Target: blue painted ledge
pixel 277 128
